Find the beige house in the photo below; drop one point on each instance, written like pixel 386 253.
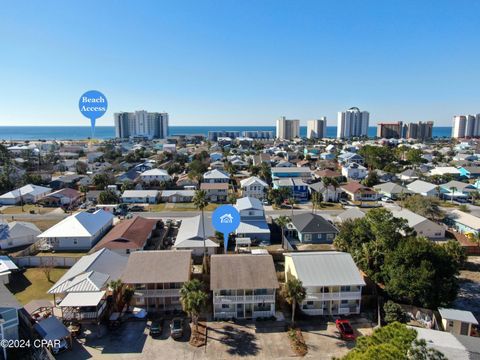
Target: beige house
pixel 243 286
pixel 156 277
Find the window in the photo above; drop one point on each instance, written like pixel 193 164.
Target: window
pixel 345 288
pixel 330 236
pixel 309 302
pixel 344 301
pixel 307 237
pixel 225 306
pixel 75 241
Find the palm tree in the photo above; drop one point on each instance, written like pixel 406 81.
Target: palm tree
pixel 292 203
pixel 232 198
pixel 294 293
pixel 316 200
pixel 83 189
pixel 200 202
pixel 116 286
pixel 265 172
pixel 335 184
pixel 453 190
pixel 282 221
pixel 193 299
pixel 474 195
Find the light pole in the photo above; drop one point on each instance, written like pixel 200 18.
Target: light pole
pixel 4 347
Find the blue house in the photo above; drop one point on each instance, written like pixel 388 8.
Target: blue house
pixel 311 229
pixel 327 156
pixel 470 172
pixel 298 189
pixel 303 173
pixel 349 158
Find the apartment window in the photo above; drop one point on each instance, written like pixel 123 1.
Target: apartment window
pixel 310 303
pixel 344 301
pixel 345 288
pixel 75 241
pixel 225 306
pixel 330 236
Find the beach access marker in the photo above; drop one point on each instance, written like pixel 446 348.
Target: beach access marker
pixel 93 104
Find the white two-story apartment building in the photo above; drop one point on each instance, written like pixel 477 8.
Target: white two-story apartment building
pixel 153 175
pixel 332 281
pixel 243 286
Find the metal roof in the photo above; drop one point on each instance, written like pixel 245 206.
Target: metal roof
pixel 82 299
pixel 329 268
pixel 459 315
pixel 79 225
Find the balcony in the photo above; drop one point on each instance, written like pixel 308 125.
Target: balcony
pixel 257 314
pixel 220 299
pixel 225 315
pixel 156 293
pixel 345 295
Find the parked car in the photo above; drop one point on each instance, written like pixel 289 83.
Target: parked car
pixel 156 328
pixel 136 208
pixel 176 328
pixel 386 199
pixel 343 202
pixel 345 329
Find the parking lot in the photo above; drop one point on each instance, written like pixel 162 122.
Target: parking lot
pixel 225 340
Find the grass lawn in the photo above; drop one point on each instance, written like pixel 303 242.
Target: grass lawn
pixel 12 210
pixel 32 284
pixel 330 206
pixel 68 254
pixel 156 207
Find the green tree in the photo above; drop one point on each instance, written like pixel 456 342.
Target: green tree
pixel 394 341
pixel 193 299
pixel 232 198
pixel 371 179
pixel 265 172
pixel 394 312
pixel 317 199
pixel 292 202
pixel 414 156
pixel 427 206
pixel 81 167
pixel 282 221
pixel 421 273
pixel 108 197
pixel 377 157
pixel 456 252
pixel 101 181
pixel 294 293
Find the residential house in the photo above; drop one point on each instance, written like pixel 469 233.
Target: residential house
pixel 17 233
pixel 297 187
pixel 253 224
pixel 470 172
pixel 354 171
pixel 82 291
pixel 350 158
pixel 458 322
pixel 191 236
pixel 457 190
pixel 243 286
pixel 154 175
pixel 184 181
pixel 7 266
pixel 327 173
pixel 63 197
pixel 66 181
pixel 177 196
pixel 9 307
pixel 392 190
pixel 358 192
pixel 421 225
pixel 350 215
pixel 216 156
pixel 80 231
pixel 329 193
pixel 254 187
pixel 452 346
pixel 311 228
pixel 445 170
pixel 140 196
pixel 219 165
pixel 216 176
pixel 93 196
pixel 303 173
pixel 157 276
pixel 28 194
pixel 424 188
pixel 216 192
pixel 332 281
pixel 409 175
pixel 463 222
pixel 328 156
pixel 128 236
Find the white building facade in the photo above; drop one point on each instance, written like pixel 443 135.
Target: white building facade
pixel 152 125
pixel 287 129
pixel 352 123
pixel 317 129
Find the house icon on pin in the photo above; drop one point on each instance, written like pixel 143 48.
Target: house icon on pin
pixel 226 219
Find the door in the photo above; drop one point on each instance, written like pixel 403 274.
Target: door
pixel 464 329
pixel 240 314
pixel 248 311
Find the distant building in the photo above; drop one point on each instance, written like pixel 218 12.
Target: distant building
pixel 317 129
pixel 466 126
pixel 287 129
pixel 352 123
pixel 254 134
pixel 418 131
pixel 152 125
pixel 214 135
pixel 390 130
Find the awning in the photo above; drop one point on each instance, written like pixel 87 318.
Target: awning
pixel 82 299
pixel 35 305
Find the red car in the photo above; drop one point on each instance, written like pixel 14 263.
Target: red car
pixel 345 329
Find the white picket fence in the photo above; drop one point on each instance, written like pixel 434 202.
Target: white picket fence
pixel 39 261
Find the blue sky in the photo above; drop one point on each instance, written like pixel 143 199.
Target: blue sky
pixel 240 62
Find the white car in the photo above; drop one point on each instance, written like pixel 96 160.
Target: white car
pixel 386 199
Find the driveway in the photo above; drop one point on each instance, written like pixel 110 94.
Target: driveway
pixel 225 340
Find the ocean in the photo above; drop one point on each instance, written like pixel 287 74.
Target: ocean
pixel 108 132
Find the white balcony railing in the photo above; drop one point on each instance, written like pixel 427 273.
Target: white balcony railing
pixel 344 295
pixel 225 315
pixel 262 314
pixel 220 299
pixel 146 293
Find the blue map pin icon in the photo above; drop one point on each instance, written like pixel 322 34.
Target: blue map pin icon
pixel 93 104
pixel 225 219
